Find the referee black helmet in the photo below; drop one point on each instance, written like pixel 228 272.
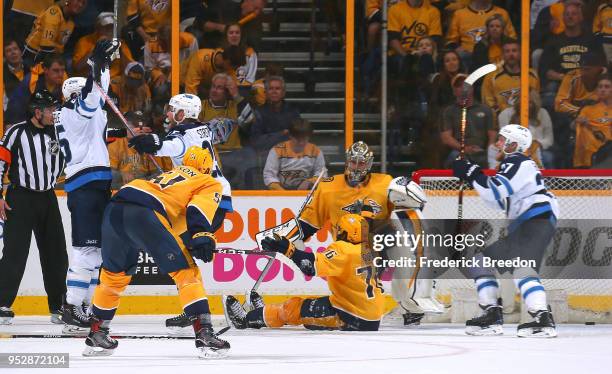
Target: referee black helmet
pixel 42 99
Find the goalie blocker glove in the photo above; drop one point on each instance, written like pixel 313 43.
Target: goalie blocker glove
pixel 146 143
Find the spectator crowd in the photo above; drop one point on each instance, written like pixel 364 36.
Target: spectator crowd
pixel 433 46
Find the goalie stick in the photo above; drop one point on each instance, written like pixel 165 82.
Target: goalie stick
pixel 467 85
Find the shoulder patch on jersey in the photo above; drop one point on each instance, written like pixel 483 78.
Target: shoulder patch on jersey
pixel 327 179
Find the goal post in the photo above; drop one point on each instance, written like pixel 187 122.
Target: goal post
pixel 582 194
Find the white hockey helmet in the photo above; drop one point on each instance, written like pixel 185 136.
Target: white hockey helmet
pixel 72 86
pixel 516 134
pixel 404 193
pixel 191 105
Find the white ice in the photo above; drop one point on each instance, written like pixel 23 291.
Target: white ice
pixel 431 348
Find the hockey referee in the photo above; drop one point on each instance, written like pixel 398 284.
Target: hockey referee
pixel 30 152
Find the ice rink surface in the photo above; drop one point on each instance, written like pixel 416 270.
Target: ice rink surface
pixel 431 348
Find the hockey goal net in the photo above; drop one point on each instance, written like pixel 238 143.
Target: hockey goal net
pixel 582 195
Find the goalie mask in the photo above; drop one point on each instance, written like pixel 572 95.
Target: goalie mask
pixel 516 134
pixel 358 164
pixel 189 104
pixel 198 158
pixel 404 193
pixel 352 228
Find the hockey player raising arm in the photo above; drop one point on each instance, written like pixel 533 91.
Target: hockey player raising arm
pixel 518 189
pixel 186 197
pixel 356 302
pixel 81 129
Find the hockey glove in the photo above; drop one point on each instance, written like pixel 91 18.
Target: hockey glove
pixel 278 244
pixel 203 245
pixel 463 169
pixel 101 56
pixel 146 143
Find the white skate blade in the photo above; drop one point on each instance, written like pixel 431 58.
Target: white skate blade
pixel 75 330
pixel 487 331
pixel 97 351
pixel 6 320
pixel 538 332
pixel 208 353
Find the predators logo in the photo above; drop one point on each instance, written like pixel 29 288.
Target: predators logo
pixel 158 5
pixel 510 96
pixel 477 34
pixel 356 207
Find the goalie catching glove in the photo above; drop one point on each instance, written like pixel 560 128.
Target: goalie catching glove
pixel 278 244
pixel 203 245
pixel 146 143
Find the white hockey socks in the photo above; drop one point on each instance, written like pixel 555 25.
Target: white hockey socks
pixel 82 271
pixel 533 293
pixel 488 289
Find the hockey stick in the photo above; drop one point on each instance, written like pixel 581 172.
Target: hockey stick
pixel 233 251
pixel 467 85
pixel 119 336
pixel 271 260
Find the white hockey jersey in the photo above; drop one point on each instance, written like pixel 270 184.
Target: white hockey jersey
pixel 81 130
pixel 518 188
pixel 199 134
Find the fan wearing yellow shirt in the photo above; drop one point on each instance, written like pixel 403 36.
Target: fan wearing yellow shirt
pixel 150 215
pixel 411 20
pixel 357 297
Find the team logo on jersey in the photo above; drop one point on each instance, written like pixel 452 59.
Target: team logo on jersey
pixel 510 95
pixel 158 5
pixel 356 207
pixel 476 33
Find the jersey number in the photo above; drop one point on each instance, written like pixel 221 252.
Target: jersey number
pixel 370 277
pixel 165 181
pixel 64 144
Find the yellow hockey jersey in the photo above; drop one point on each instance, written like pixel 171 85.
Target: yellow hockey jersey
pixel 410 24
pixel 51 31
pixel 150 14
pixel 467 26
pixel 185 196
pixel 352 280
pixel 334 198
pixel 229 110
pixel 501 89
pixel 602 23
pixel 572 94
pixel 198 69
pixel 591 137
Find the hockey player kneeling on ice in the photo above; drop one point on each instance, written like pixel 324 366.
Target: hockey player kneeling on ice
pixel 517 188
pixel 356 302
pixel 151 215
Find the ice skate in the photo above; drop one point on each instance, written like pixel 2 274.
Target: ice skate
pixel 490 322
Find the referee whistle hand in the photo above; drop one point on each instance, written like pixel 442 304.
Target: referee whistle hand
pixel 3 208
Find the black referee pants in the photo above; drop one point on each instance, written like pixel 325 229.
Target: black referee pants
pixel 38 212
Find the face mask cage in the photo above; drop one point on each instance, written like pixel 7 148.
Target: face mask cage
pixel 358 163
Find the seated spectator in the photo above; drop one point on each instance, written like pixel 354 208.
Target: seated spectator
pixel 467 27
pixel 84 47
pixel 577 89
pixel 501 88
pixel 427 50
pixel 296 163
pixel 211 25
pixel 158 59
pixel 272 119
pixel 127 164
pixel 481 133
pixel 540 126
pixel 131 89
pixel 144 18
pixel 14 68
pixel 548 24
pixel 442 93
pixel 564 53
pixel 489 49
pixel 224 101
pixel 373 13
pixel 410 20
pixel 258 89
pixel 245 74
pixel 21 17
pixel 198 70
pixel 602 26
pixel 51 30
pixel 49 74
pixel 594 124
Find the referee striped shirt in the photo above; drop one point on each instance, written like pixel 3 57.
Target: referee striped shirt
pixel 32 156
